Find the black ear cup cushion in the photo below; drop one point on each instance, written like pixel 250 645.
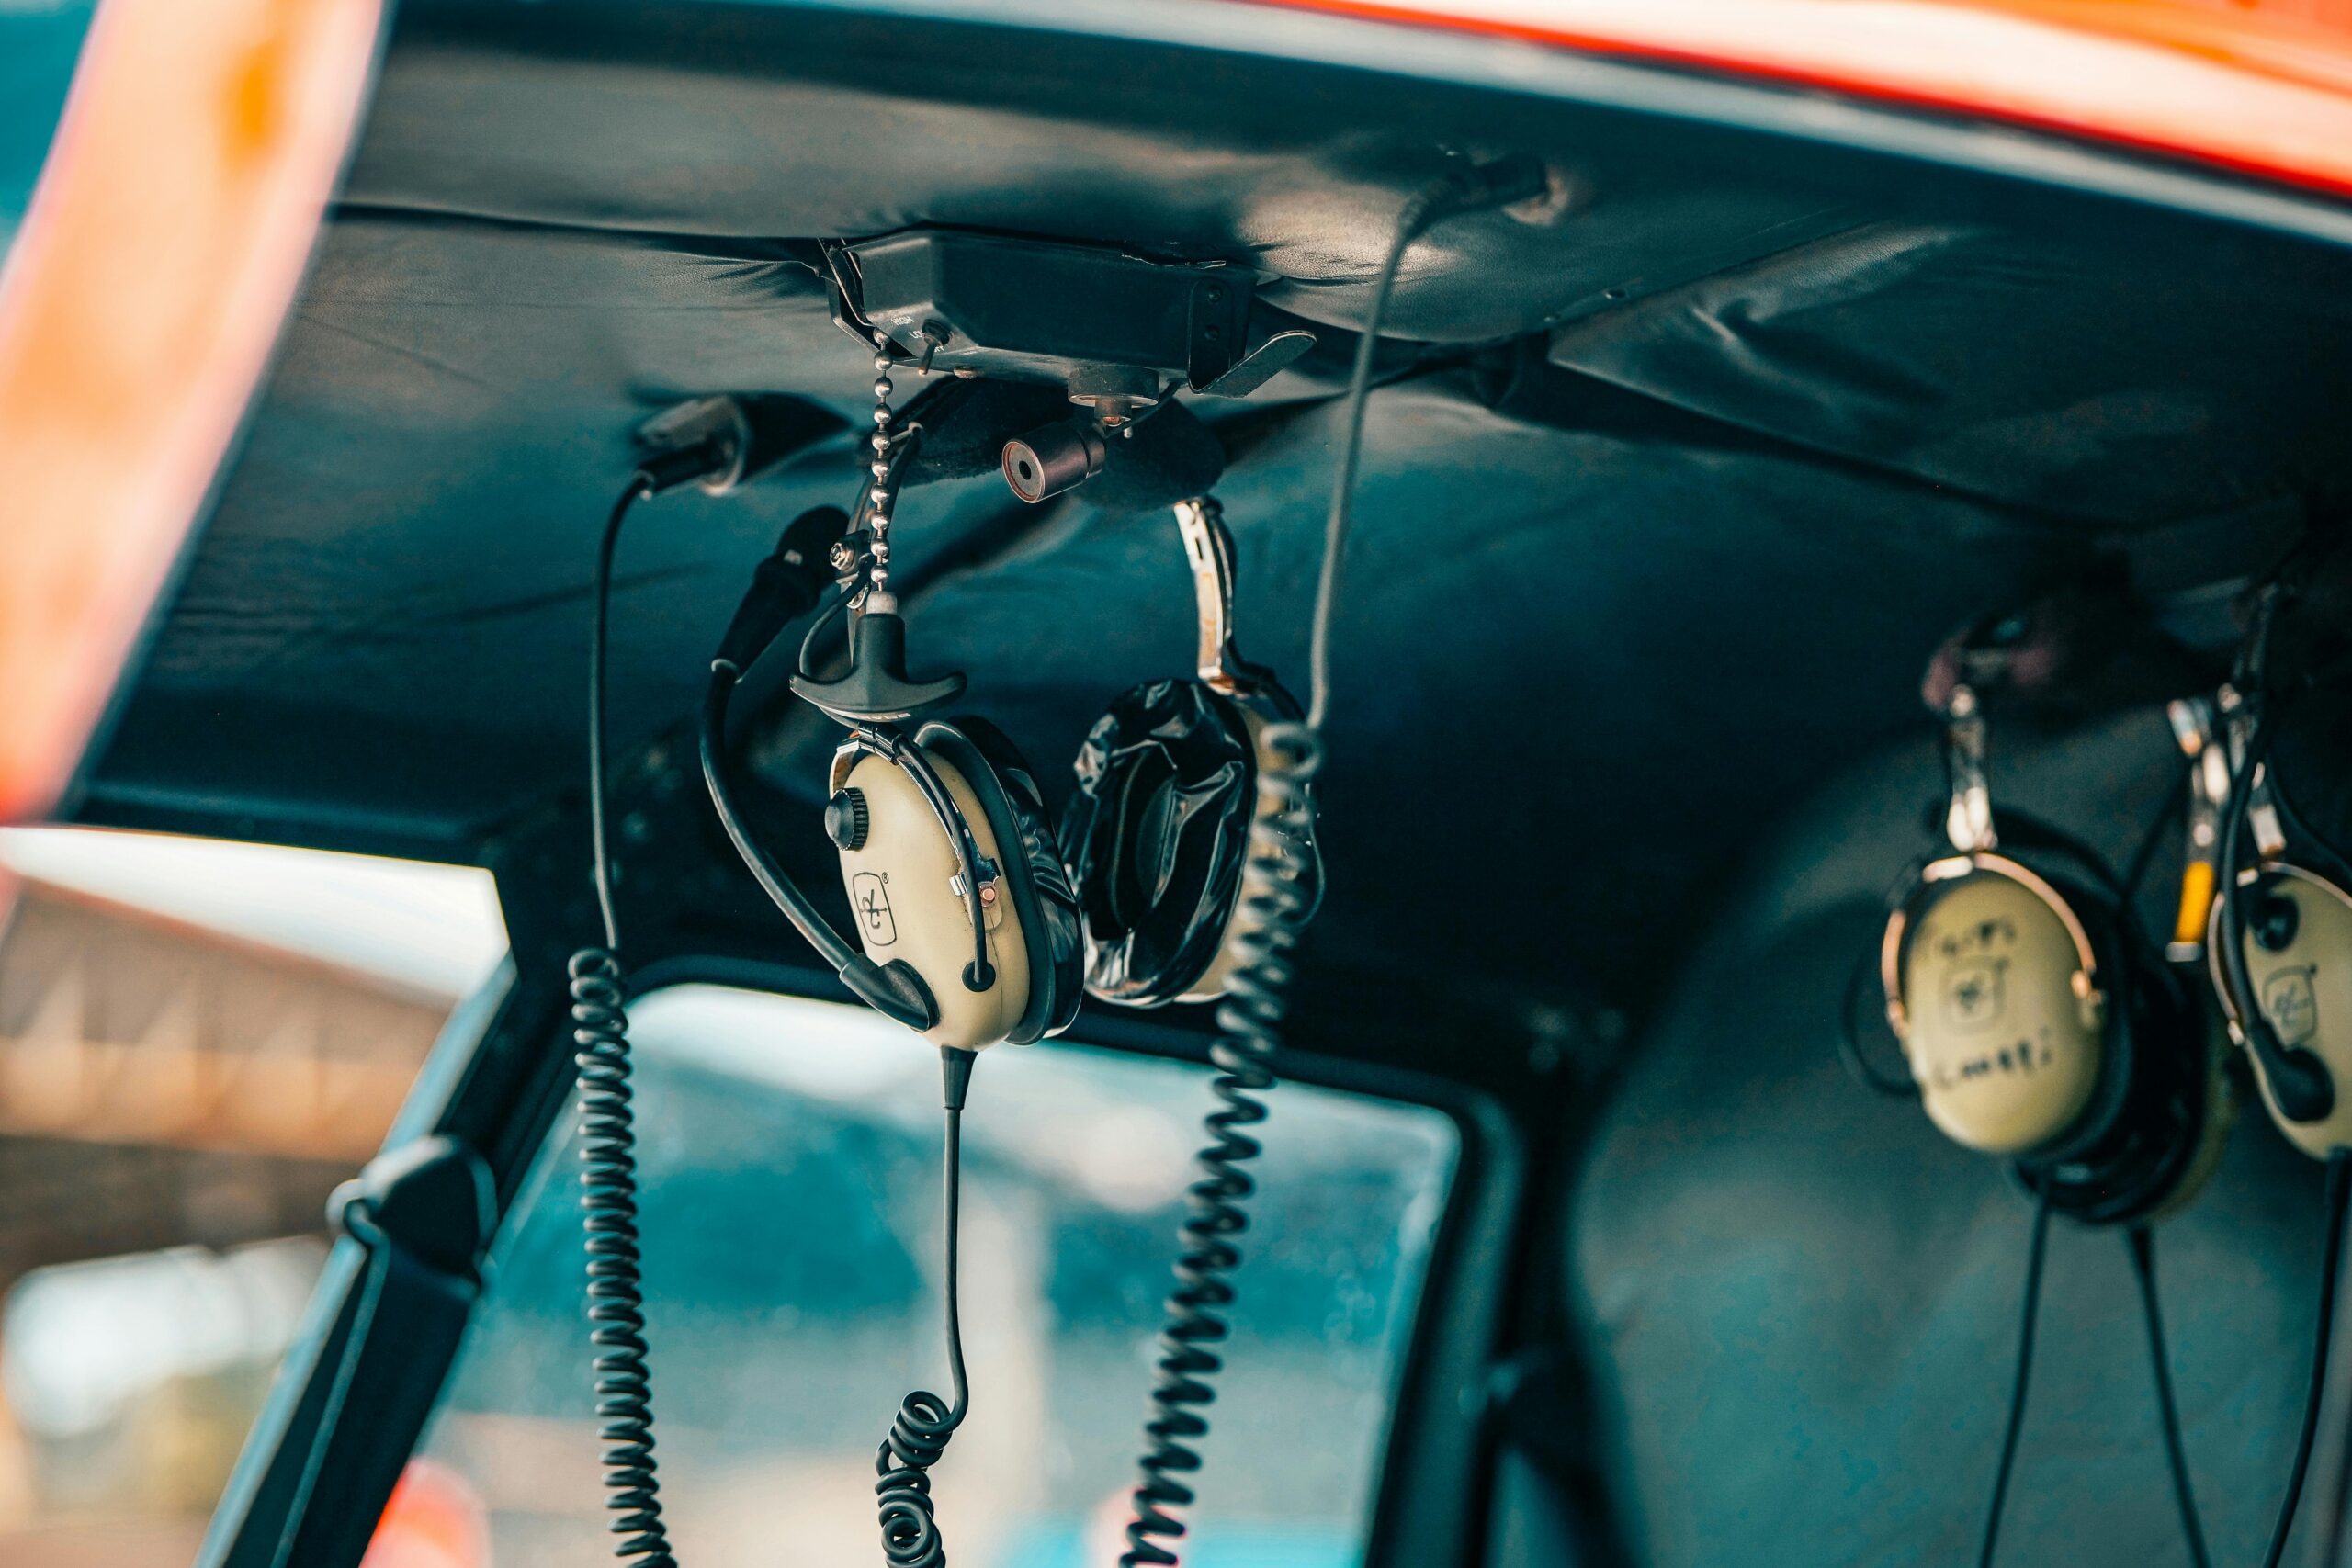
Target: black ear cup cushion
pixel 2144 1133
pixel 1040 888
pixel 1156 835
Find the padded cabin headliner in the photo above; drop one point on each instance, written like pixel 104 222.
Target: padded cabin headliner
pixel 1798 1303
pixel 1670 503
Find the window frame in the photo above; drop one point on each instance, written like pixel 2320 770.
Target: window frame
pixel 493 1072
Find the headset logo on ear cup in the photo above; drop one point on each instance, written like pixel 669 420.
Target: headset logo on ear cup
pixel 2291 1001
pixel 1976 992
pixel 870 894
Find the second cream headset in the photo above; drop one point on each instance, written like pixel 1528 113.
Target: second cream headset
pixel 2039 1021
pixel 2279 938
pixel 967 929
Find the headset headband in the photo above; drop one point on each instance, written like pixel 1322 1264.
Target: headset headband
pixel 1951 868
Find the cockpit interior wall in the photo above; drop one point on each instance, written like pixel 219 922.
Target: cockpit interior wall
pixel 1848 1280
pixel 1671 486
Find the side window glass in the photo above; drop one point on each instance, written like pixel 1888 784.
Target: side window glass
pixel 790 1160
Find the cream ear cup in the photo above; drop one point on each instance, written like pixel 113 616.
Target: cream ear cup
pixel 906 902
pixel 1992 990
pixel 2299 965
pixel 1042 900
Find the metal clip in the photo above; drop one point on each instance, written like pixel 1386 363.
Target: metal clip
pixel 2262 817
pixel 1208 547
pixel 1968 821
pixel 2262 805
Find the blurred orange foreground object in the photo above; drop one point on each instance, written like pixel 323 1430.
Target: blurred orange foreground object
pixel 2258 86
pixel 166 240
pixel 435 1519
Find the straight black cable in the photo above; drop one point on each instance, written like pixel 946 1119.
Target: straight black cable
pixel 2235 812
pixel 2339 1197
pixel 2037 1253
pixel 2037 1249
pixel 1410 222
pixel 1477 189
pixel 2331 1546
pixel 2142 1245
pixel 599 641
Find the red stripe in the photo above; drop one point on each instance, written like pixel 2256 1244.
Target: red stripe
pixel 2263 90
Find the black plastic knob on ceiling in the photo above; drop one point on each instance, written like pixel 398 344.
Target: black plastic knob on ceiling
pixel 847 819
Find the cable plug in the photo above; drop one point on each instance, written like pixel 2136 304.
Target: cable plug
pixel 1481 187
pixel 785 587
pixel 955 1074
pixel 667 470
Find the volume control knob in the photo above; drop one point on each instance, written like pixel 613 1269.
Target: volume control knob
pixel 846 820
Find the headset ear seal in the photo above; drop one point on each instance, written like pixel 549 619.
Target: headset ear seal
pixel 1042 898
pixel 1155 836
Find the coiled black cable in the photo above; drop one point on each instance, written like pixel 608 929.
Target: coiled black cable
pixel 1272 901
pixel 919 1437
pixel 1272 906
pixel 608 1151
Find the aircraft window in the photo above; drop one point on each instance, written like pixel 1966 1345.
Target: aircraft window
pixel 789 1157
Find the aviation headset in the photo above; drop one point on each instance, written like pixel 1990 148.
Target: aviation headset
pixel 2039 1021
pixel 2280 932
pixel 1159 831
pixel 967 931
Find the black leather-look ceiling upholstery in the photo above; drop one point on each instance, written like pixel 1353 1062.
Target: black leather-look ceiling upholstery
pixel 1669 497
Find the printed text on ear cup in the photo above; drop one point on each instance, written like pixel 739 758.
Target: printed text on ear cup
pixel 1999 1035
